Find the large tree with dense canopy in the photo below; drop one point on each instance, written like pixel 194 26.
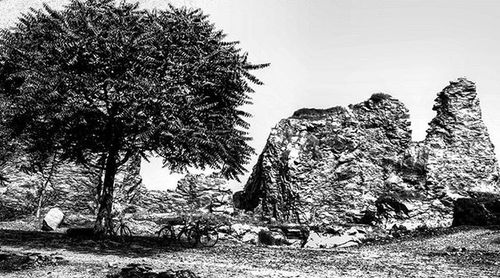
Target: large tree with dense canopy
pixel 98 82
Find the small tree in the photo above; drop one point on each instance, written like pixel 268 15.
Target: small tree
pixel 203 192
pixel 99 82
pixel 47 174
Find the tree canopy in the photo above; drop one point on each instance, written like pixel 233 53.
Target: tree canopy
pixel 99 81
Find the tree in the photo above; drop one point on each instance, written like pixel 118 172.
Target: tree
pixel 203 192
pixel 5 154
pixel 99 82
pixel 47 176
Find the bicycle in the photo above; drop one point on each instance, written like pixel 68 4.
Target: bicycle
pixel 198 233
pixel 167 232
pixel 121 230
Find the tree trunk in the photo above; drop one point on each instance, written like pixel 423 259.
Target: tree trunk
pixel 40 202
pixel 98 192
pixel 41 194
pixel 104 224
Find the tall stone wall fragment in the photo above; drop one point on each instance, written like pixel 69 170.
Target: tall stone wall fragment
pixel 343 165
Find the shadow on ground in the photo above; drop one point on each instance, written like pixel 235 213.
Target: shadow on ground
pixel 134 247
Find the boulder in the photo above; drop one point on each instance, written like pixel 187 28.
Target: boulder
pixel 250 237
pixel 358 165
pixel 52 219
pixel 239 229
pixel 481 210
pixel 267 237
pixel 146 271
pixel 318 240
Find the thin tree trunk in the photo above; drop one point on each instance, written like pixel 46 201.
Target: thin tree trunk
pixel 98 192
pixel 104 222
pixel 39 205
pixel 44 187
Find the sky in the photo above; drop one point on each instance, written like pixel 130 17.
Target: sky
pixel 326 53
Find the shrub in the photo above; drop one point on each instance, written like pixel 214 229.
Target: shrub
pixel 379 97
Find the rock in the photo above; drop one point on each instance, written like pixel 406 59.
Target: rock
pixel 482 209
pixel 246 233
pixel 240 229
pixel 52 219
pixel 145 271
pixel 357 165
pixel 314 240
pixel 317 240
pixel 250 237
pixel 267 237
pixel 15 261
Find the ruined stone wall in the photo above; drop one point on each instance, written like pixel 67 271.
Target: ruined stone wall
pixel 461 155
pixel 71 187
pixel 358 164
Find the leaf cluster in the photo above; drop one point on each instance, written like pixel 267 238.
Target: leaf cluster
pixel 97 75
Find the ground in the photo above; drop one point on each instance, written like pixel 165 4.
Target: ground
pixel 457 252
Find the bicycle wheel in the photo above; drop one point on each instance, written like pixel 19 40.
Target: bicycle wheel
pixel 187 237
pixel 166 234
pixel 209 237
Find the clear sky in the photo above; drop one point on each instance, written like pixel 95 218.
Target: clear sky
pixel 328 53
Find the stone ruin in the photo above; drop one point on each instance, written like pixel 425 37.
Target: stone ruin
pixel 68 186
pixel 358 165
pixel 337 166
pixel 72 188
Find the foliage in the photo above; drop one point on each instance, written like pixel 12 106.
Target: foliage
pixel 203 192
pixel 99 83
pixel 96 74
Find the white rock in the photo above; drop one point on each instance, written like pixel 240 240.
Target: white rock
pixel 52 219
pixel 313 241
pixel 240 229
pixel 250 238
pixel 316 240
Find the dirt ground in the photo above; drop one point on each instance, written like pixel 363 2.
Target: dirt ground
pixel 464 252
